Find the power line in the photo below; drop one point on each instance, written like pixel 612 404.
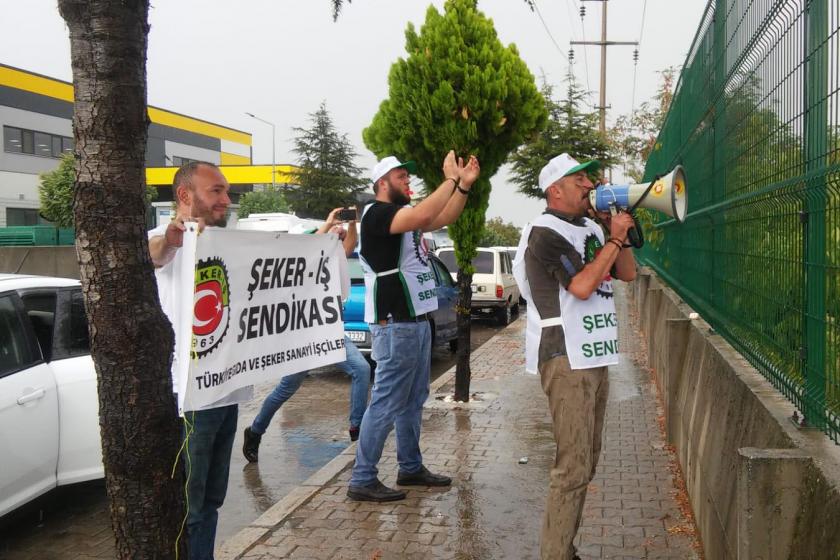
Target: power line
pixel 636 65
pixel 603 43
pixel 576 8
pixel 545 26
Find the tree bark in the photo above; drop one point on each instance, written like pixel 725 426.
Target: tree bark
pixel 131 339
pixel 462 366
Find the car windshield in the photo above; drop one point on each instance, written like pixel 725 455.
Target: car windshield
pixel 483 262
pixel 357 275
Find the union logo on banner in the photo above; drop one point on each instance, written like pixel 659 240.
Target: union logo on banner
pixel 211 305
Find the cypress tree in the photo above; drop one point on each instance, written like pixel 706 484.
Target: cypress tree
pixel 458 88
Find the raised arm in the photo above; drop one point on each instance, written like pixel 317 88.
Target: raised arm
pixel 410 218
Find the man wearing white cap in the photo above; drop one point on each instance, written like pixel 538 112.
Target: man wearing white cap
pixel 399 294
pixel 564 268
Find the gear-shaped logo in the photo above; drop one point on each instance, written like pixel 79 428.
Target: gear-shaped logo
pixel 421 249
pixel 211 305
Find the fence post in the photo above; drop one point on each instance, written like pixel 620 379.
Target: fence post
pixel 816 136
pixel 717 232
pixel 769 496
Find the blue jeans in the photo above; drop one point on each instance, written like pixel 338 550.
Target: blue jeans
pixel 208 464
pixel 402 352
pixel 355 366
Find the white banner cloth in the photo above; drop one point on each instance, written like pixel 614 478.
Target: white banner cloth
pixel 251 307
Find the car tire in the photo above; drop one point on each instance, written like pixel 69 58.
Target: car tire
pixel 504 315
pixel 453 345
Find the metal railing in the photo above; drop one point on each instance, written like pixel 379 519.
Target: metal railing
pixel 755 121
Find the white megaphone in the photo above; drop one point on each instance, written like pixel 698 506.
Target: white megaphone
pixel 666 194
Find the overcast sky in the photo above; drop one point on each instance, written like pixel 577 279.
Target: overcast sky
pixel 278 59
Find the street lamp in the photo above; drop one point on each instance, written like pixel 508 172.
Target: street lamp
pixel 273 172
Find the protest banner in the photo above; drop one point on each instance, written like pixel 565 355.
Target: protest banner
pixel 253 307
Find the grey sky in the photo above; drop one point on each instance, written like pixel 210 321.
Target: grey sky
pixel 278 59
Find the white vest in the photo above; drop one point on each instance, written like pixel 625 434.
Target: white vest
pixel 589 325
pixel 414 272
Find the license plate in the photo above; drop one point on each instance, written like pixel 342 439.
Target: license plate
pixel 356 336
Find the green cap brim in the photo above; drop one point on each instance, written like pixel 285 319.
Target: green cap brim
pixel 594 165
pixel 409 166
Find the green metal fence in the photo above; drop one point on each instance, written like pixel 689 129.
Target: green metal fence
pixel 755 121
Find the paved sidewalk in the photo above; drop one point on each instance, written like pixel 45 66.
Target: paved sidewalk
pixel 498 449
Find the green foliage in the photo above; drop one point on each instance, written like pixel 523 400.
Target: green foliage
pixel 633 137
pixel 499 234
pixel 459 88
pixel 328 176
pixel 271 199
pixel 56 192
pixel 569 129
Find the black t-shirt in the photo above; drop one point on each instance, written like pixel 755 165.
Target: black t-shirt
pixel 381 251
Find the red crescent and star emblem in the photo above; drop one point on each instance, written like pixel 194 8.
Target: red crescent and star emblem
pixel 208 309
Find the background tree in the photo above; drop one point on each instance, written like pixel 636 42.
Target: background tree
pixel 459 88
pixel 569 129
pixel 270 199
pixel 131 339
pixel 56 192
pixel 327 176
pixel 499 234
pixel 633 136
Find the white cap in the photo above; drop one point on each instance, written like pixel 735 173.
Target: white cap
pixel 560 166
pixel 386 164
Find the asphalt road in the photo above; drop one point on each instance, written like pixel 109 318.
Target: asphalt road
pixel 306 433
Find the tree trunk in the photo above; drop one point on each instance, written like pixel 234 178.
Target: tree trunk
pixel 131 339
pixel 462 368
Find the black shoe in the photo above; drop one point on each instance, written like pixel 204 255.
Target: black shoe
pixel 354 433
pixel 251 445
pixel 375 492
pixel 422 478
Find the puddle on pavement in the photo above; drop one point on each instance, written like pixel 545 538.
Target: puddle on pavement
pixel 624 382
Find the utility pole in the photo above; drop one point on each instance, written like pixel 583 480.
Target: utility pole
pixel 602 109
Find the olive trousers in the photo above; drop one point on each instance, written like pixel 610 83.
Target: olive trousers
pixel 577 400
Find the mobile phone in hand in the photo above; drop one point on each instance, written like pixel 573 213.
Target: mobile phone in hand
pixel 347 214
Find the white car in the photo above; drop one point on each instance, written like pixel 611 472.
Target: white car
pixel 494 289
pixel 49 410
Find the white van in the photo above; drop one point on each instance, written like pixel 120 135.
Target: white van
pixel 494 290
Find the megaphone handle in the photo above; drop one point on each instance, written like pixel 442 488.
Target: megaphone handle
pixel 635 235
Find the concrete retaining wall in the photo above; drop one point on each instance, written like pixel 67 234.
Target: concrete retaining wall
pixel 760 487
pixel 45 261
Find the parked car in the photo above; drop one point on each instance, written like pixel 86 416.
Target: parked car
pixel 494 289
pixel 511 251
pixel 443 321
pixel 49 410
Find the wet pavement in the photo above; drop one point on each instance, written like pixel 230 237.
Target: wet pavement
pixel 306 433
pixel 498 450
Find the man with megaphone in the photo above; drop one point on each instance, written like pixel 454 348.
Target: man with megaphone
pixel 564 267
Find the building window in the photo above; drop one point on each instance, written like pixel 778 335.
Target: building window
pixel 12 140
pixel 21 141
pixel 178 161
pixel 23 217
